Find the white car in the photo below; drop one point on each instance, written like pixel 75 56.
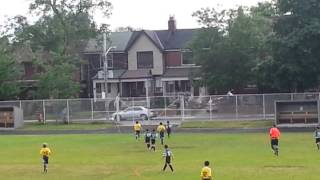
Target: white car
pixel 134 112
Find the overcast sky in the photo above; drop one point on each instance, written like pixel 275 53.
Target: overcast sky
pixel 145 14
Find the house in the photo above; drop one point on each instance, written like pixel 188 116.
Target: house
pixel 142 64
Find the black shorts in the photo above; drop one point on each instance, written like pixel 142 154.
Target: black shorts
pixel 317 140
pixel 153 141
pixel 168 159
pixel 147 140
pixel 45 159
pixel 161 135
pixel 274 142
pixel 168 130
pixel 137 132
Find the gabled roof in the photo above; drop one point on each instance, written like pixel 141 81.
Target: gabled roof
pixel 136 74
pixel 117 39
pixel 178 39
pixel 152 36
pixel 180 72
pixel 162 39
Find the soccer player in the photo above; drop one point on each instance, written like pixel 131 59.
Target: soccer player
pixel 147 138
pixel 45 152
pixel 206 171
pixel 317 137
pixel 168 156
pixel 137 129
pixel 153 139
pixel 274 136
pixel 168 129
pixel 161 129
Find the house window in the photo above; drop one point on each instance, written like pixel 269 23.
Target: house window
pixel 110 60
pixel 187 57
pixel 145 59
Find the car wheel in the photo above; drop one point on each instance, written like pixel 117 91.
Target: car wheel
pixel 144 117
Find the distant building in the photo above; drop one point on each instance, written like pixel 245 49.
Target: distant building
pixel 144 63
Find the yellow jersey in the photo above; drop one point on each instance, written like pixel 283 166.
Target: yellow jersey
pixel 206 173
pixel 45 151
pixel 161 128
pixel 137 127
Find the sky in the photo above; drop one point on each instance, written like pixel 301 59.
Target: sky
pixel 142 14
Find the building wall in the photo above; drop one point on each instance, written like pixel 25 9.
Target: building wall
pixel 173 58
pixel 143 43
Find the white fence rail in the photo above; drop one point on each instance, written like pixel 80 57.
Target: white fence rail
pixel 215 107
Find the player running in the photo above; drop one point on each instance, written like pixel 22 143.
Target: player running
pixel 317 137
pixel 153 139
pixel 206 171
pixel 161 129
pixel 147 138
pixel 45 152
pixel 137 129
pixel 274 136
pixel 168 156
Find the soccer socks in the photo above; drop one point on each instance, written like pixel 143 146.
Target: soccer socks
pixel 161 141
pixel 45 168
pixel 153 148
pixel 148 146
pixel 165 167
pixel 318 146
pixel 171 167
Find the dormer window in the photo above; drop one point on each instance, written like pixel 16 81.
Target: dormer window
pixel 145 59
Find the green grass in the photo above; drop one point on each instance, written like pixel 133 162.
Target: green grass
pixel 228 124
pixel 71 126
pixel 120 157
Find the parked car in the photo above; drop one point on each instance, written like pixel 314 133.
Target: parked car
pixel 134 112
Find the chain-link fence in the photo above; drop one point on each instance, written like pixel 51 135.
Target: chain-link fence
pixel 215 107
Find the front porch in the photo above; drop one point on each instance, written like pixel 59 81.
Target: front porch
pixel 126 88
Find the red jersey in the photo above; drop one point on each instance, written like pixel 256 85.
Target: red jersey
pixel 274 133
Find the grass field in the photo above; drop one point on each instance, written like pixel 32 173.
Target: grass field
pixel 120 157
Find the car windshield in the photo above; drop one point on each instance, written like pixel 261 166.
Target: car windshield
pixel 137 109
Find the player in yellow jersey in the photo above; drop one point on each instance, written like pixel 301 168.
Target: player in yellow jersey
pixel 137 129
pixel 206 171
pixel 45 152
pixel 161 129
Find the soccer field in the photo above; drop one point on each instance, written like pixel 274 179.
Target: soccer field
pixel 120 157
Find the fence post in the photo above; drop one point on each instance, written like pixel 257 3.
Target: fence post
pixel 44 111
pixel 237 115
pixel 264 106
pixel 92 109
pixel 182 107
pixel 210 110
pixel 165 108
pixel 291 96
pixel 20 104
pixel 68 112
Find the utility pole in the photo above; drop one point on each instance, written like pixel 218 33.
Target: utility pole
pixel 105 70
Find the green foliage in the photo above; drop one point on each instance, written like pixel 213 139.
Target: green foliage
pixel 231 44
pixel 57 39
pixel 296 45
pixel 9 72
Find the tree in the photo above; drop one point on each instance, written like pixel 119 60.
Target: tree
pixel 9 72
pixel 230 45
pixel 57 39
pixel 296 46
